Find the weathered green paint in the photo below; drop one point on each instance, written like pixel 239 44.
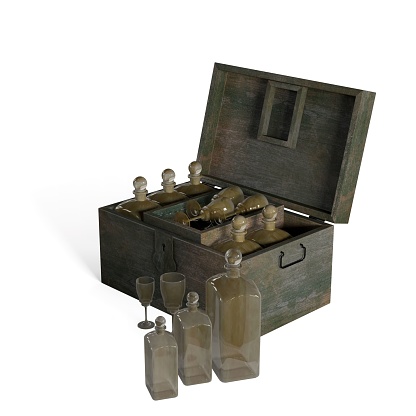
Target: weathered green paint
pixel 128 250
pixel 318 176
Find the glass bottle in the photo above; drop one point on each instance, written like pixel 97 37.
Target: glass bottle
pixel 217 210
pixel 251 203
pixel 233 305
pixel 140 203
pixel 269 234
pixel 168 195
pixel 238 233
pixel 194 186
pixel 161 362
pixel 233 192
pixel 192 331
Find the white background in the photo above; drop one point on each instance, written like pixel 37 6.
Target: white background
pixel 95 93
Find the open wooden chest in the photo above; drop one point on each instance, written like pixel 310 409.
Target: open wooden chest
pixel 298 142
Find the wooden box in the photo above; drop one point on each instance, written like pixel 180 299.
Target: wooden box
pixel 298 142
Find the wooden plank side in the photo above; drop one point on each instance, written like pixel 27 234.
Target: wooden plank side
pixel 126 251
pixel 197 263
pixel 288 79
pixel 212 114
pixel 353 154
pixel 287 294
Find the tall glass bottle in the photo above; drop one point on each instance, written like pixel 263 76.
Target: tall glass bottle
pixel 161 362
pixel 269 234
pixel 140 203
pixel 168 195
pixel 233 305
pixel 194 186
pixel 238 233
pixel 192 331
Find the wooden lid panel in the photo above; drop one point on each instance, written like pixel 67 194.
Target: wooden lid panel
pixel 291 138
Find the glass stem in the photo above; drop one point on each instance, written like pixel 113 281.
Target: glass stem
pixel 145 313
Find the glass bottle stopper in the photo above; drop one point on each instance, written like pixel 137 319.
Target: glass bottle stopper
pixel 140 185
pixel 195 169
pixel 192 299
pixel 233 258
pixel 239 228
pixel 160 322
pixel 168 177
pixel 269 213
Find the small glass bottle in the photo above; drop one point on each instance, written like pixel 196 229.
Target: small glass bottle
pixel 194 186
pixel 233 305
pixel 233 192
pixel 168 195
pixel 192 331
pixel 269 234
pixel 136 206
pixel 217 210
pixel 161 362
pixel 238 233
pixel 251 203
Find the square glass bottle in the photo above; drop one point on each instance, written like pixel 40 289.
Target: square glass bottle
pixel 234 308
pixel 161 362
pixel 192 331
pixel 269 234
pixel 238 239
pixel 168 195
pixel 194 186
pixel 140 203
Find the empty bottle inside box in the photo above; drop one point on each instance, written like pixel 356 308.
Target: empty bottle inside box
pixel 216 219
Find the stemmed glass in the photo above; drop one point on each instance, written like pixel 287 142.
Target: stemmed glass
pixel 172 286
pixel 145 287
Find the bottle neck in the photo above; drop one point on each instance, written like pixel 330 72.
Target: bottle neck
pixel 160 330
pixel 239 237
pixel 232 272
pixel 140 195
pixel 195 180
pixel 204 214
pixel 269 225
pixel 192 307
pixel 168 188
pixel 240 209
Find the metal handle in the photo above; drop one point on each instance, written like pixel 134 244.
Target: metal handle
pixel 291 264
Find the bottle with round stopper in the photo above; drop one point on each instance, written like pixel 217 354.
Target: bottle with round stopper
pixel 269 234
pixel 194 186
pixel 168 195
pixel 233 192
pixel 238 235
pixel 140 203
pixel 217 210
pixel 233 304
pixel 192 331
pixel 161 362
pixel 251 203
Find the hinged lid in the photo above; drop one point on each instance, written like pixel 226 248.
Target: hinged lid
pixel 300 141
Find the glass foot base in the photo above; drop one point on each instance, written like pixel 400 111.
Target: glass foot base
pixel 146 324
